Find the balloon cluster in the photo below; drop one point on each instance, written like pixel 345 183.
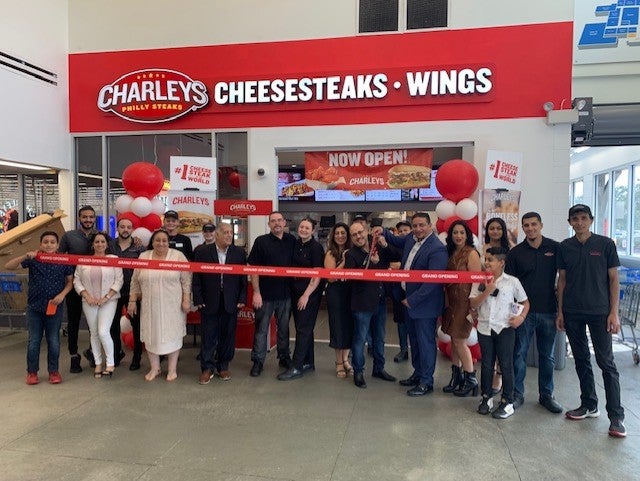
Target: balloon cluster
pixel 142 181
pixel 456 180
pixel 444 344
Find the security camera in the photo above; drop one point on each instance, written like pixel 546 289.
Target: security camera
pixel 261 172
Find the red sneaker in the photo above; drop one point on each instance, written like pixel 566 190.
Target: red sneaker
pixel 32 378
pixel 55 377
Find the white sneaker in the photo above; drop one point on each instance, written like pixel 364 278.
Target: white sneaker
pixel 503 411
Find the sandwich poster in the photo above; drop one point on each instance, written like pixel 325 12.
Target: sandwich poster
pixel 360 170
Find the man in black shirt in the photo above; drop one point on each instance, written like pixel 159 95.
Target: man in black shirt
pixel 271 295
pixel 533 262
pixel 588 296
pixel 177 241
pixel 365 301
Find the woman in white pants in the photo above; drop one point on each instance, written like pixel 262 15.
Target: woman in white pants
pixel 99 288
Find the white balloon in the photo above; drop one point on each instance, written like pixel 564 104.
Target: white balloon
pixel 466 209
pixel 443 237
pixel 143 234
pixel 476 243
pixel 141 206
pixel 123 203
pixel 442 336
pixel 472 340
pixel 125 325
pixel 157 206
pixel 445 209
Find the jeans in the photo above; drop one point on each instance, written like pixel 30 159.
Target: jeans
pixel 544 325
pixel 39 323
pixel 99 319
pixel 576 327
pixel 363 322
pixel 500 346
pixel 282 310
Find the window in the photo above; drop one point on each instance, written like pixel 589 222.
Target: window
pixel 577 192
pixel 621 210
pixel 602 214
pixel 401 15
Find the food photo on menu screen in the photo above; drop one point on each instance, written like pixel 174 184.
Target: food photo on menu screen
pixel 363 175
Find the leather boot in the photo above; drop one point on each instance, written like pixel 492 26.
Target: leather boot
pixel 457 379
pixel 469 386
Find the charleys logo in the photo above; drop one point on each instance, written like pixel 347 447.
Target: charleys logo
pixel 153 96
pixel 242 208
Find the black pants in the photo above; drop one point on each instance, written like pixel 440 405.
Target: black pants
pixel 576 327
pixel 218 333
pixel 500 345
pixel 305 322
pixel 135 324
pixel 74 312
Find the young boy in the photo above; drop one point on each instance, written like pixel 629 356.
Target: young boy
pixel 48 286
pixel 498 317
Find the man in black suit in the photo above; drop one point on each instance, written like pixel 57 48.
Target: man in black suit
pixel 219 296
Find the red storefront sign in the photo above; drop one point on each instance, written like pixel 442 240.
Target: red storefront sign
pixel 242 208
pixel 420 76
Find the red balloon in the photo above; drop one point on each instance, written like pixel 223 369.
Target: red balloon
pixel 127 339
pixel 142 179
pixel 476 354
pixel 473 224
pixel 440 225
pixel 135 220
pixel 456 179
pixel 234 180
pixel 445 348
pixel 151 222
pixel 448 221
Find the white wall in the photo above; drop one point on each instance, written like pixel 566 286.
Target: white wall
pixel 101 25
pixel 545 148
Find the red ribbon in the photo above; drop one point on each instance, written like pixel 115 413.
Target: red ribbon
pixel 387 275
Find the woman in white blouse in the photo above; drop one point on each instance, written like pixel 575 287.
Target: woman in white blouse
pixel 99 288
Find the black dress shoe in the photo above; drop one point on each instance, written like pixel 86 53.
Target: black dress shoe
pixel 289 374
pixel 420 390
pixel 88 353
pixel 410 381
pixel 135 365
pixel 256 370
pixel 308 367
pixel 119 357
pixel 401 356
pixel 551 404
pixel 384 375
pixel 358 380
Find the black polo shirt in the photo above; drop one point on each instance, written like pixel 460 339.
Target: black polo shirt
pixel 587 280
pixel 365 295
pixel 182 243
pixel 536 269
pixel 268 250
pixel 309 254
pixel 131 252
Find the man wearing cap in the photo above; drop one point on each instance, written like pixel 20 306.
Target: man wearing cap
pixel 271 295
pixel 588 295
pixel 177 241
pixel 218 297
pixel 125 246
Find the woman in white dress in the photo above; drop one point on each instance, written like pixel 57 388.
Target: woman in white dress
pixel 99 288
pixel 165 297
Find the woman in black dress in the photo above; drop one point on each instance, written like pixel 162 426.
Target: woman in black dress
pixel 338 300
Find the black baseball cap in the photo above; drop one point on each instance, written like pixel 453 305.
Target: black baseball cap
pixel 578 208
pixel 405 223
pixel 208 227
pixel 359 217
pixel 172 214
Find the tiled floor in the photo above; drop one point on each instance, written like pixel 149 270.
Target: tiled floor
pixel 315 428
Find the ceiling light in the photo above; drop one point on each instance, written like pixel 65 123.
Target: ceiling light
pixel 18 165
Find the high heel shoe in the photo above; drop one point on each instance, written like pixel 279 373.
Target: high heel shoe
pixel 340 371
pixel 348 367
pixel 457 379
pixel 97 373
pixel 108 372
pixel 469 387
pixel 151 375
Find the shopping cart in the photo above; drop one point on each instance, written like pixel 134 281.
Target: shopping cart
pixel 628 312
pixel 13 297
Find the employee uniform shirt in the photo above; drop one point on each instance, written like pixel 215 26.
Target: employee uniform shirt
pixel 309 254
pixel 269 250
pixel 131 252
pixel 46 281
pixel 587 278
pixel 494 313
pixel 536 269
pixel 182 243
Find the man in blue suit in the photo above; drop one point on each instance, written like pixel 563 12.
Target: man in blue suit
pixel 422 250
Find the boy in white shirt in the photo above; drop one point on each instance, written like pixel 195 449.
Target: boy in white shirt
pixel 502 306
